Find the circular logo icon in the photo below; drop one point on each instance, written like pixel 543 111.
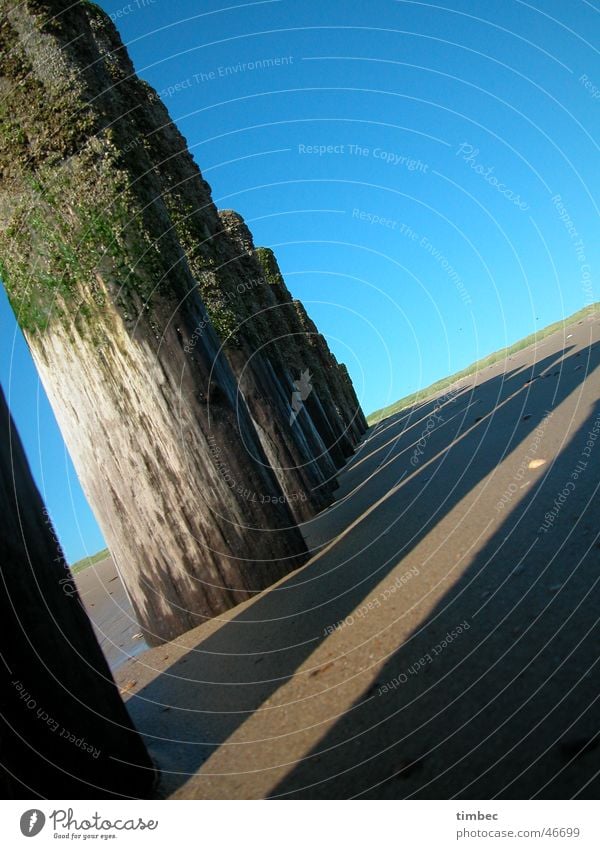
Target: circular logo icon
pixel 32 822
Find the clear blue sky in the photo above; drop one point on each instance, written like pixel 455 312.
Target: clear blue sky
pixel 423 230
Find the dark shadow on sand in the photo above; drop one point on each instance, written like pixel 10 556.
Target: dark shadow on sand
pixel 199 701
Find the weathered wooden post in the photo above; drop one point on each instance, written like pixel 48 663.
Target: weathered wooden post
pixel 334 379
pixel 344 421
pixel 269 347
pixel 290 341
pixel 65 731
pixel 101 285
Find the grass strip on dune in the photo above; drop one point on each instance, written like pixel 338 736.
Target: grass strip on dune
pixel 89 561
pixel 439 385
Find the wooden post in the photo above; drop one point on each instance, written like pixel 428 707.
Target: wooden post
pixel 65 730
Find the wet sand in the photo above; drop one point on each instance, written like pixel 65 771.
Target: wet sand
pixel 108 607
pixel 443 640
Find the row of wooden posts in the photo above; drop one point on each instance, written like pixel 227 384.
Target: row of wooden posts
pixel 204 412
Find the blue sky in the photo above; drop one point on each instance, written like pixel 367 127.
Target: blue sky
pixel 426 175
